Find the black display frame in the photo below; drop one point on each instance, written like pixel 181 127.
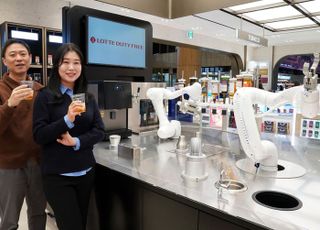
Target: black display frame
pixel 74 31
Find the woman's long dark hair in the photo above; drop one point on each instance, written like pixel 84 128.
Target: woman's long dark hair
pixel 54 83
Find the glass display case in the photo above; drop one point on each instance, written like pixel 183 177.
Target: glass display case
pixel 42 42
pixel 33 36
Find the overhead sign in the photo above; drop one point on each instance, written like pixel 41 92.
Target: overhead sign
pixel 243 35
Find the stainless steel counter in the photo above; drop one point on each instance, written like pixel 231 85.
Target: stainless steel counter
pixel 160 166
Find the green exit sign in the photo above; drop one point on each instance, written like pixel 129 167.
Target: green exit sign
pixel 190 34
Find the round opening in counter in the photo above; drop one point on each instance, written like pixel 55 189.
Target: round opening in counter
pixel 277 200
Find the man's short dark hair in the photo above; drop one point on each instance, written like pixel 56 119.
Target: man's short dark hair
pixel 14 41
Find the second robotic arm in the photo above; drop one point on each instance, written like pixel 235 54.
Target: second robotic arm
pixel 262 151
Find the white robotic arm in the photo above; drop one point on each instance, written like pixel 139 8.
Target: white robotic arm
pixel 261 151
pixel 168 129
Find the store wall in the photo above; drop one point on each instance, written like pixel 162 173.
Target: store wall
pixel 262 58
pixel 271 55
pixel 281 51
pixel 45 13
pixel 180 36
pixel 275 53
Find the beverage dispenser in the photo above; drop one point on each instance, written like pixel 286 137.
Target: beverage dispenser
pixel 114 99
pixel 142 114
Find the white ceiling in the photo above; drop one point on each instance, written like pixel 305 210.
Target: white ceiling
pixel 222 25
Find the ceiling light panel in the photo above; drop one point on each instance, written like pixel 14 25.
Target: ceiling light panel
pixel 291 23
pixel 312 6
pixel 254 5
pixel 273 13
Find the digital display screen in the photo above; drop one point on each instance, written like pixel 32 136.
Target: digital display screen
pixel 114 43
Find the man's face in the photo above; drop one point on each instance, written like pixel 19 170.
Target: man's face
pixel 17 59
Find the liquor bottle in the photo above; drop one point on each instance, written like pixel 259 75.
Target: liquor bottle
pixel 232 88
pixel 239 83
pixel 224 81
pixel 247 81
pixel 224 115
pixel 215 89
pixel 204 88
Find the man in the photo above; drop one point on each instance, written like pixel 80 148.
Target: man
pixel 20 175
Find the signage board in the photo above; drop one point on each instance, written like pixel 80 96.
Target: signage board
pixel 243 35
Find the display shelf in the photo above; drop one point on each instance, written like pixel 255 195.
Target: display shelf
pixel 52 42
pixel 42 47
pixel 33 36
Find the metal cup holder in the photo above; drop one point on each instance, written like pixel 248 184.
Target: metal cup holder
pixel 230 185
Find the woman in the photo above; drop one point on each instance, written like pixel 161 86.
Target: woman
pixel 67 135
pixel 20 175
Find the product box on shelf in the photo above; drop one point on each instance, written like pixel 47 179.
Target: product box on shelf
pixel 310 129
pixel 283 128
pixel 269 126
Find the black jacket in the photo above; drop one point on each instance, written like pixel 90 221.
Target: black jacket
pixel 49 124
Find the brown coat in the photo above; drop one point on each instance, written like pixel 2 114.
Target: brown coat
pixel 16 140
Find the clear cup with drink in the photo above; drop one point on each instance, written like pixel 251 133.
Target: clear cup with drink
pixel 30 86
pixel 81 99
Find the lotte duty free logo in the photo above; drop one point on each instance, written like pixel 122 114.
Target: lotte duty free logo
pixel 93 39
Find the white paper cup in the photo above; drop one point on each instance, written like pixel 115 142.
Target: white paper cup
pixel 114 140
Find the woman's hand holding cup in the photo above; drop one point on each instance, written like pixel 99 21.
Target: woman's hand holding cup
pixel 77 106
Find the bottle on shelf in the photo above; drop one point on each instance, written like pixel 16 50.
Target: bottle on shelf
pixel 209 90
pixel 224 115
pixel 232 120
pixel 247 81
pixel 215 89
pixel 232 88
pixel 239 83
pixel 224 82
pixel 204 88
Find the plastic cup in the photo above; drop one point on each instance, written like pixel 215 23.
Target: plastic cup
pixel 81 98
pixel 30 85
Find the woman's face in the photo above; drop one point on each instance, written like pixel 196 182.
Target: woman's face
pixel 17 59
pixel 70 69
